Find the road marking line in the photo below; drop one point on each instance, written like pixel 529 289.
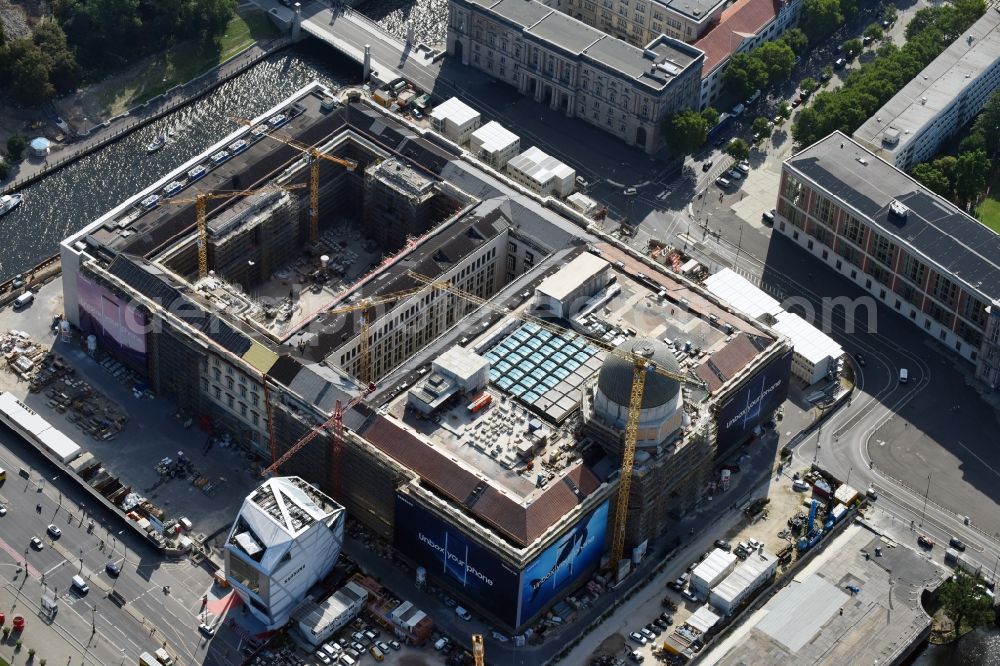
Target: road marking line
pixel 976 456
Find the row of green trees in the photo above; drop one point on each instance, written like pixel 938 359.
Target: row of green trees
pixel 769 64
pixel 109 33
pixel 37 67
pixel 866 89
pixel 962 178
pixel 89 37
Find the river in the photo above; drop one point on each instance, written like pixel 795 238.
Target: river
pixel 74 196
pixel 979 648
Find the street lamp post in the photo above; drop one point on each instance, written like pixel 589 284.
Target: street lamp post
pixel 927 492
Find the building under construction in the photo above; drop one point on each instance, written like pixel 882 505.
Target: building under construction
pixel 327 265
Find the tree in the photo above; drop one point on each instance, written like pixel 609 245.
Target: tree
pixel 987 124
pixel 711 116
pixel 796 40
pixel 874 31
pixel 974 140
pixel 744 74
pixel 933 178
pixel 16 145
pixel 29 75
pixel 808 127
pixel 890 13
pixel 852 47
pixel 785 111
pixel 738 150
pixel 963 603
pixel 808 85
pixel 820 18
pixel 827 72
pixel 971 174
pixel 64 73
pixel 4 169
pixel 688 130
pixel 778 58
pixel 761 126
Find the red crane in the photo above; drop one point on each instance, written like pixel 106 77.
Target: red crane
pixel 337 421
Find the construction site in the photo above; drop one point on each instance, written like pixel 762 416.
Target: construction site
pixel 511 400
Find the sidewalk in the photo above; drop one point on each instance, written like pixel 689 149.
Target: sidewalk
pixel 68 640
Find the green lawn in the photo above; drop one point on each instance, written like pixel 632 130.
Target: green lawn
pixel 989 214
pixel 183 62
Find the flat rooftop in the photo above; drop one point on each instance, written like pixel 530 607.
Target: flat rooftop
pixel 935 88
pixel 816 618
pixel 655 66
pixel 948 238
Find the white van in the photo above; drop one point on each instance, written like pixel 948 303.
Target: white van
pixel 80 584
pixel 904 375
pixel 462 613
pixel 24 300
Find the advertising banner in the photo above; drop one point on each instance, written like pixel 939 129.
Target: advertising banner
pixel 754 402
pixel 561 565
pixel 448 553
pixel 119 327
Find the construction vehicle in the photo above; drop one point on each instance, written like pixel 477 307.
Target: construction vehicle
pixel 200 201
pixel 314 155
pixel 478 653
pixel 642 366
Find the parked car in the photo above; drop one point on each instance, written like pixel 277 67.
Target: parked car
pixel 636 656
pixel 3 510
pixel 647 633
pixel 796 101
pixel 723 545
pixel 638 638
pixel 667 618
pixel 743 167
pixel 734 174
pixel 925 541
pixel 768 216
pixel 689 595
pixel 957 544
pixel 839 63
pixel 322 657
pixel 676 585
pixel 652 628
pixel 706 165
pixel 630 191
pixel 723 183
pixel 206 629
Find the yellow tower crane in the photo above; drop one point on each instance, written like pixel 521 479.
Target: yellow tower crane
pixel 478 652
pixel 200 200
pixel 315 155
pixel 642 366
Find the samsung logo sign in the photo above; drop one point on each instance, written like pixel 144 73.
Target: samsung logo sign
pixel 293 574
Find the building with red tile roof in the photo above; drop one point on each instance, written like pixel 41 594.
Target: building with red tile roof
pixel 744 26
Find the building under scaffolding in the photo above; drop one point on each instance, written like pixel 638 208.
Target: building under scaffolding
pixel 519 474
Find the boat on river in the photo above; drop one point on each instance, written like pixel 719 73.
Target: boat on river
pixel 9 202
pixel 156 144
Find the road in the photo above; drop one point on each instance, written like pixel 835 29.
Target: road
pixel 150 617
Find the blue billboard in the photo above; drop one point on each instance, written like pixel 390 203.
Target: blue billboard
pixel 754 402
pixel 449 554
pixel 562 564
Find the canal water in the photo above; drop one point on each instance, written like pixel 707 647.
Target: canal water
pixel 74 196
pixel 978 648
